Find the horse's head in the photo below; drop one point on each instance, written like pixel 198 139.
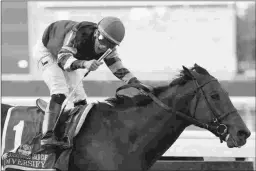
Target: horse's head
pixel 209 106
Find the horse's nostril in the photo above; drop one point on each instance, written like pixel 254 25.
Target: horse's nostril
pixel 243 133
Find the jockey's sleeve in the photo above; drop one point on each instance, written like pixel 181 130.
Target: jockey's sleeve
pixel 66 59
pixel 116 66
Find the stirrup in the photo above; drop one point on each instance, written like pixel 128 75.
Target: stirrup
pixel 48 136
pixel 67 142
pixel 51 142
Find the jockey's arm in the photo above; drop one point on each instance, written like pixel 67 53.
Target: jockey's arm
pixel 66 59
pixel 68 62
pixel 116 66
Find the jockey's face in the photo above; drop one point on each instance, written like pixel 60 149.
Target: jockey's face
pixel 102 44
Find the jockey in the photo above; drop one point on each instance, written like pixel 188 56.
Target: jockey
pixel 66 48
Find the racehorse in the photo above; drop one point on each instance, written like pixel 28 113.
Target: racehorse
pixel 132 133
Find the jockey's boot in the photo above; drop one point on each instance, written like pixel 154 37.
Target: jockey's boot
pixel 70 130
pixel 52 111
pixel 69 134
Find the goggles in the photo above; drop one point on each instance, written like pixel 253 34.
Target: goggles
pixel 105 42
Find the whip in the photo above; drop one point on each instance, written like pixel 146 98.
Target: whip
pixel 72 92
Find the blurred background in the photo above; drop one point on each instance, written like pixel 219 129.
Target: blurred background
pixel 219 36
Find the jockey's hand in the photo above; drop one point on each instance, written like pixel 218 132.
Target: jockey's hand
pixel 92 65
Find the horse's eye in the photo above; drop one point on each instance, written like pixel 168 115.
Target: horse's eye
pixel 215 97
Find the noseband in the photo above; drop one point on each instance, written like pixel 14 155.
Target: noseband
pixel 216 127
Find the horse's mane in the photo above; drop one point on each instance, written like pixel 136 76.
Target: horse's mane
pixel 182 78
pixel 139 100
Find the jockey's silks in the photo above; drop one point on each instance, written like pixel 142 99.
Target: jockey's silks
pixel 70 41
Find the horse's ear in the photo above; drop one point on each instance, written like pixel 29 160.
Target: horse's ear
pixel 187 72
pixel 200 69
pixel 184 68
pixel 196 66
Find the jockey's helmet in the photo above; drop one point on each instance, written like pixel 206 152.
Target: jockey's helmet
pixel 112 29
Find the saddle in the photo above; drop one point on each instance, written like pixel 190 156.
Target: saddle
pixel 27 124
pixel 42 104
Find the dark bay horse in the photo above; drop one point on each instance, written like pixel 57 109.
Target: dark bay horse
pixel 131 133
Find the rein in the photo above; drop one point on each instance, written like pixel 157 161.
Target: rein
pixel 143 88
pixel 220 130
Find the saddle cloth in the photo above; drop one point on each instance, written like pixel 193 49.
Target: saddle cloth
pixel 22 134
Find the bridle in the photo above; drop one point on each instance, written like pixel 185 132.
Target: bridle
pixel 215 126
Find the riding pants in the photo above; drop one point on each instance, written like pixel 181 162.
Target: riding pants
pixel 57 80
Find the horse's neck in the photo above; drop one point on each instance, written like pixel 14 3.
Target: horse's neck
pixel 159 130
pixel 165 139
